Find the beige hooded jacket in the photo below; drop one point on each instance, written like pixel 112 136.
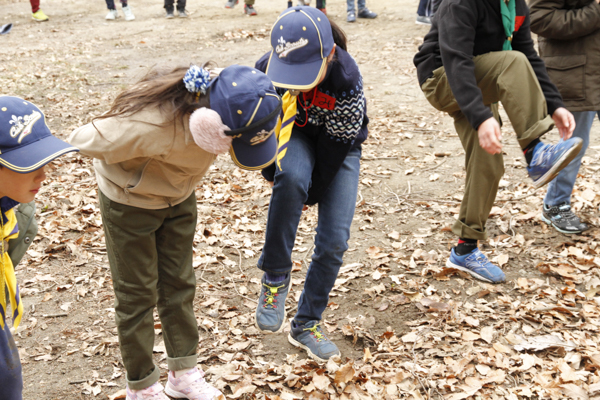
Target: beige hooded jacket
pixel 142 160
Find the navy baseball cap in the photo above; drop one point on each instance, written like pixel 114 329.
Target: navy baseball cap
pixel 301 39
pixel 26 143
pixel 248 104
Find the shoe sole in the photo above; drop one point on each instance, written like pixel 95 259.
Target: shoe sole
pixel 268 332
pixel 549 222
pixel 556 168
pixel 422 23
pixel 312 355
pixel 450 264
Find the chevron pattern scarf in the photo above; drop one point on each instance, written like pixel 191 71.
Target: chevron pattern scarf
pixel 284 127
pixel 8 280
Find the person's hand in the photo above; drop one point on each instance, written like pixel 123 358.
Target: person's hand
pixel 565 122
pixel 271 183
pixel 490 136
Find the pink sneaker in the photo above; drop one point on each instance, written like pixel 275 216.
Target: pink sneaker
pixel 192 386
pixel 154 392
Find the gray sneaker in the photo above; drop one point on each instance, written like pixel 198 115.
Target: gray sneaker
pixel 423 20
pixel 182 14
pixel 311 338
pixel 270 311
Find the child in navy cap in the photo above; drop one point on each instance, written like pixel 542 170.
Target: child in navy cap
pixel 150 152
pixel 325 122
pixel 26 146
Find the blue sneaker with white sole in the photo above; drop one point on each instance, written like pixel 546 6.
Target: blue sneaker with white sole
pixel 477 264
pixel 549 159
pixel 310 337
pixel 270 311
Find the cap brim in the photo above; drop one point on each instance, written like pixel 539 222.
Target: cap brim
pixel 35 155
pixel 294 76
pixel 254 157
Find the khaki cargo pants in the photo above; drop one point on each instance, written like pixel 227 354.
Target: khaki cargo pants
pixel 150 256
pixel 505 77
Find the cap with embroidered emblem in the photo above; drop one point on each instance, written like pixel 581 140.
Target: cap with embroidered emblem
pixel 248 104
pixel 26 143
pixel 301 41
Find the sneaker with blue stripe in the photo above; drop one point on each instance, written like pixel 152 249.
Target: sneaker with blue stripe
pixel 549 159
pixel 477 264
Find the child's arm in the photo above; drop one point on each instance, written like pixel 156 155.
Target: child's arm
pixel 115 140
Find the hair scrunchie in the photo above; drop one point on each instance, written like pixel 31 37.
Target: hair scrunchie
pixel 196 79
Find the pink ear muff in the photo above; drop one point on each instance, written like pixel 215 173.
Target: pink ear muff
pixel 208 131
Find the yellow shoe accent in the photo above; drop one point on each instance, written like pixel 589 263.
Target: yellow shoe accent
pixel 39 16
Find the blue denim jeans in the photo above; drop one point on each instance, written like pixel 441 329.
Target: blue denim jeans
pixel 561 187
pixel 336 210
pixel 110 4
pixel 350 5
pixel 422 9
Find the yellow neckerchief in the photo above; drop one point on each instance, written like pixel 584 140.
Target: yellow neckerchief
pixel 284 127
pixel 8 280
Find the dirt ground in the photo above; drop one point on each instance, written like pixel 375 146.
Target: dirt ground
pixel 411 182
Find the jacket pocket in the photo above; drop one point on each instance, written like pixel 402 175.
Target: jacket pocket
pixel 568 74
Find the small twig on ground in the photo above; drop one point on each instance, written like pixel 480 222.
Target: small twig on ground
pixel 432 168
pixel 78 382
pixel 55 315
pixel 378 158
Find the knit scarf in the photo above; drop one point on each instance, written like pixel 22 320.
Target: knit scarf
pixel 284 127
pixel 8 279
pixel 507 10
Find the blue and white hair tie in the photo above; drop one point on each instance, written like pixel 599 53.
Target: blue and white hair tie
pixel 196 79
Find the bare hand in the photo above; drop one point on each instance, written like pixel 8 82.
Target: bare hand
pixel 564 122
pixel 490 136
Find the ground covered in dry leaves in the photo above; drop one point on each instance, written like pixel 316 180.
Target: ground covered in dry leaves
pixel 407 326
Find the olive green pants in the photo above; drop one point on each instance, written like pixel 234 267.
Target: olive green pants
pixel 150 256
pixel 505 77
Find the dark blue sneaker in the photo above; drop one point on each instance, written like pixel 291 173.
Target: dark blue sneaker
pixel 476 264
pixel 311 338
pixel 270 311
pixel 549 159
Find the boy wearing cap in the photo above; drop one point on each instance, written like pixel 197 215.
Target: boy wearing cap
pixel 324 123
pixel 26 146
pixel 477 53
pixel 150 152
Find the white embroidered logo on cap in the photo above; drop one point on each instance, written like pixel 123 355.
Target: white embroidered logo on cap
pixel 23 125
pixel 261 137
pixel 283 48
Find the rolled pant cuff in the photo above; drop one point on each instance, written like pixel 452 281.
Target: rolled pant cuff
pixel 466 232
pixel 537 130
pixel 177 364
pixel 284 271
pixel 146 382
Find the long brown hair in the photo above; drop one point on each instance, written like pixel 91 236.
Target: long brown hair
pixel 161 88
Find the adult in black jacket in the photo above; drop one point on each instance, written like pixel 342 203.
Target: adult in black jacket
pixel 479 53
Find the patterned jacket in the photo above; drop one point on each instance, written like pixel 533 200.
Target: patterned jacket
pixel 337 120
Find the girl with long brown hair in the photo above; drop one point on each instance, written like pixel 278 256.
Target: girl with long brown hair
pixel 150 151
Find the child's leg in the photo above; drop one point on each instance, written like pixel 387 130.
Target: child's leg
pixel 560 189
pixel 35 5
pixel 11 378
pixel 123 3
pixel 336 210
pixel 110 4
pixel 181 5
pixel 483 174
pixel 177 284
pixel 131 248
pixel 290 191
pixel 169 5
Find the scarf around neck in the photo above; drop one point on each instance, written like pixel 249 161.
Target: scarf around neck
pixel 507 10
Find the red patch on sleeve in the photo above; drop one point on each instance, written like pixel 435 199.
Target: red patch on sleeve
pixel 519 21
pixel 324 101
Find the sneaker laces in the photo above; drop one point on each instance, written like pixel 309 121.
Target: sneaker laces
pixel 565 212
pixel 316 332
pixel 270 295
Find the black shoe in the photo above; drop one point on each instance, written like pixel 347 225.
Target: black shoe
pixel 366 13
pixel 563 219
